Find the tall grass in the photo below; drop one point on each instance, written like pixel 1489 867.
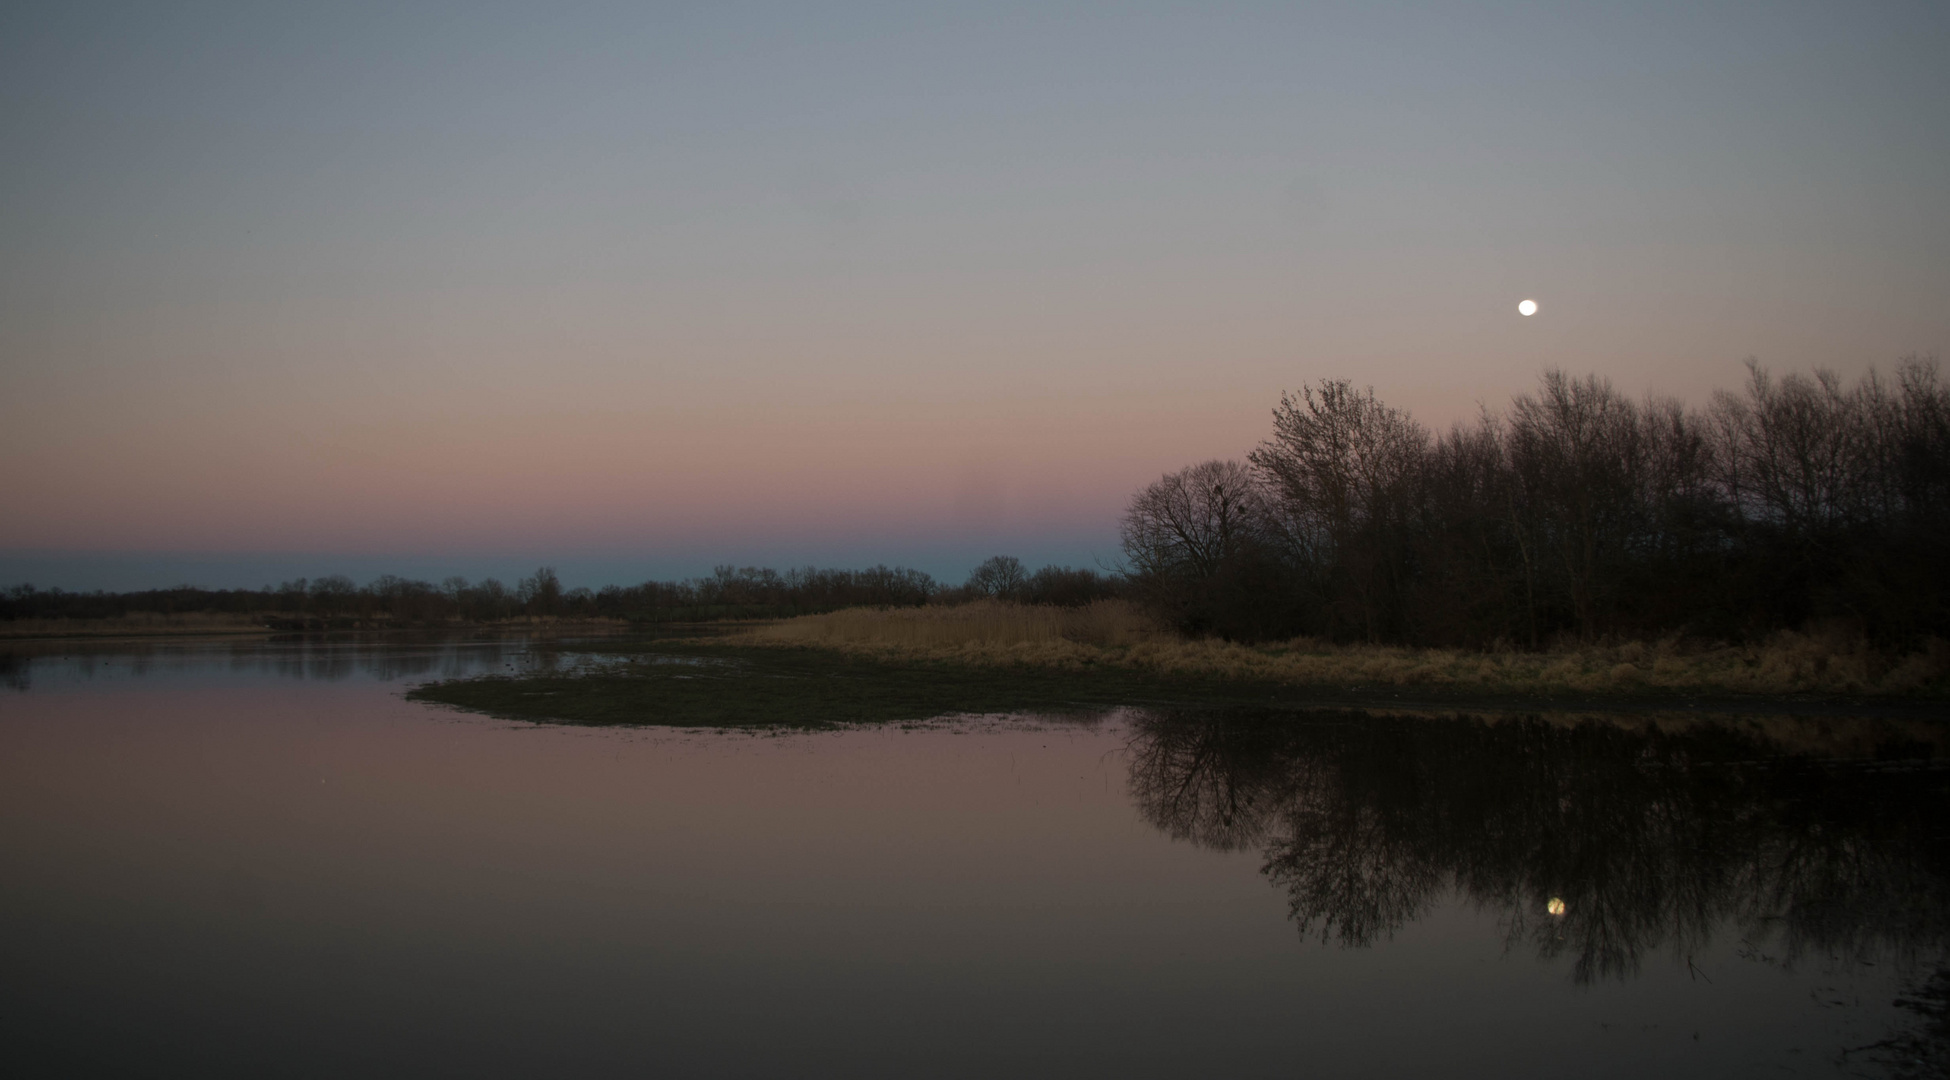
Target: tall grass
pixel 1116 633
pixel 981 625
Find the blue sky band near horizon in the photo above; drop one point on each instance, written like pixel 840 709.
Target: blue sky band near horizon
pixel 650 287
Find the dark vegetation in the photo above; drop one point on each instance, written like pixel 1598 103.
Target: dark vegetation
pixel 729 593
pixel 725 683
pixel 714 684
pixel 1579 515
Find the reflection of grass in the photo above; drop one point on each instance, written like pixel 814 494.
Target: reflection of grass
pixel 743 686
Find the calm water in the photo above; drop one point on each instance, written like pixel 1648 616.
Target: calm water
pixel 257 859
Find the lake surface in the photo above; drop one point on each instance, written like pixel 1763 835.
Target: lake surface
pixel 256 858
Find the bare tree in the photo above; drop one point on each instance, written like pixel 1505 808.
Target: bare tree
pixel 1578 456
pixel 1343 468
pixel 542 594
pixel 1187 524
pixel 1792 451
pixel 1195 543
pixel 1001 577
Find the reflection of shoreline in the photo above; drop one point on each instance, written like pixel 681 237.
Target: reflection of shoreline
pixel 94 630
pixel 324 658
pixel 1812 734
pixel 1812 835
pixel 140 628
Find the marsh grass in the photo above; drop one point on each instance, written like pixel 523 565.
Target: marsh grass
pixel 983 624
pixel 721 684
pixel 867 665
pixel 727 685
pixel 1115 634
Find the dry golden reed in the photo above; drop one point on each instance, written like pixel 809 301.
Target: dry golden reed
pixel 982 624
pixel 1115 633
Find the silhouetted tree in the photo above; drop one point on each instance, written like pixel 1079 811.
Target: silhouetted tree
pixel 1577 513
pixel 1197 545
pixel 1343 468
pixel 1000 577
pixel 542 593
pixel 1064 586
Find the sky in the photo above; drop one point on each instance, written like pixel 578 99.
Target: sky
pixel 638 289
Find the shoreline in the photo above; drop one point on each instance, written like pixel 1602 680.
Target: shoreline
pixel 1790 674
pixel 737 684
pixel 1115 635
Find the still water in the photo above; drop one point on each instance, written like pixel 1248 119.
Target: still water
pixel 256 858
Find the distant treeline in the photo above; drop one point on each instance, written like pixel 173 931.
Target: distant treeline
pixel 1578 513
pixel 730 592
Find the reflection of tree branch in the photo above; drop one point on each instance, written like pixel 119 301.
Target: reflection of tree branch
pixel 1649 839
pixel 1350 874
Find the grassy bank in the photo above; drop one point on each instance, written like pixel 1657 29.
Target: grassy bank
pixel 1112 634
pixel 734 682
pixel 881 665
pixel 714 684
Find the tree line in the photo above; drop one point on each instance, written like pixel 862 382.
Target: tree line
pixel 1578 513
pixel 729 592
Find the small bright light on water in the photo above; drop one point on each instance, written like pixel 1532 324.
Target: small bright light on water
pixel 1556 906
pixel 1527 308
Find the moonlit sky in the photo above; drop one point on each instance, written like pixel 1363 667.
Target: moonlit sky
pixel 635 289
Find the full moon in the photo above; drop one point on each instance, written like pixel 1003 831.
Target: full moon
pixel 1527 308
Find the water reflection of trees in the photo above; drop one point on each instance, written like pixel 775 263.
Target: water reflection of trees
pixel 308 658
pixel 13 672
pixel 1651 838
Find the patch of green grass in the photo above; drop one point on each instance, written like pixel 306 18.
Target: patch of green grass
pixel 705 685
pixel 708 684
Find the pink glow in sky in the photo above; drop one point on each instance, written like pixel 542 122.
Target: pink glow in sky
pixel 467 281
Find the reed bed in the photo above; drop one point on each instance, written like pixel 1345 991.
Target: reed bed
pixel 1115 633
pixel 983 624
